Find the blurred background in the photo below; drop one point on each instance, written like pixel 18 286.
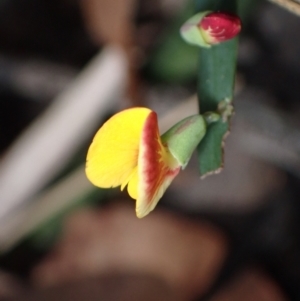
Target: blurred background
pixel 68 65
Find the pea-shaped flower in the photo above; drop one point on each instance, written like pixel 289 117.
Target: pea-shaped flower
pixel 210 28
pixel 128 150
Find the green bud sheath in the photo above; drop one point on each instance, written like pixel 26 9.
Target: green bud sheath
pixel 183 138
pixel 190 31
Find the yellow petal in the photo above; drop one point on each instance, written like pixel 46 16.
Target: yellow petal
pixel 133 184
pixel 113 154
pixel 156 168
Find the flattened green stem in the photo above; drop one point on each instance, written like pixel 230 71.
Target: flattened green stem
pixel 216 76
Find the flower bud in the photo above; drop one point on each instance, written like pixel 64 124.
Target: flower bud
pixel 210 28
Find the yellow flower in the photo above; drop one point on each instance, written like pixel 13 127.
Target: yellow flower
pixel 128 150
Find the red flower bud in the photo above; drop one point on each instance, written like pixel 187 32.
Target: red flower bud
pixel 219 27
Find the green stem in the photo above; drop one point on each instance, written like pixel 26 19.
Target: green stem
pixel 216 77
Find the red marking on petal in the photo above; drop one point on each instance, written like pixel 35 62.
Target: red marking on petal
pixel 156 165
pixel 221 26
